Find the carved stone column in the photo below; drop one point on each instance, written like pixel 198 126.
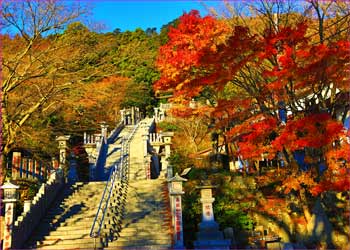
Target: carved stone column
pixel 176 208
pixel 63 146
pixel 10 200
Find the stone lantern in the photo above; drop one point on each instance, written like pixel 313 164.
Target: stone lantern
pixel 176 208
pixel 11 196
pixel 167 142
pixel 10 192
pixel 209 235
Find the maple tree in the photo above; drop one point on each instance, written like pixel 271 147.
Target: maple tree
pixel 294 94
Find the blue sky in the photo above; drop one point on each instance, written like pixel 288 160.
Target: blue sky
pixel 129 15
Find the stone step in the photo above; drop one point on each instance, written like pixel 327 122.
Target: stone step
pixel 139 243
pixel 78 214
pixel 72 222
pixel 76 217
pixel 62 231
pixel 70 246
pixel 130 209
pixel 142 215
pixel 151 220
pixel 143 226
pixel 149 247
pixel 80 224
pixel 61 237
pixel 72 241
pixel 144 235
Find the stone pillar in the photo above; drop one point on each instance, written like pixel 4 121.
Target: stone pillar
pixel 37 169
pixel 145 143
pixel 55 164
pixel 138 115
pixel 16 164
pixel 133 116
pixel 148 161
pixel 209 235
pixel 25 168
pixel 98 140
pixel 176 208
pixel 27 205
pixel 10 199
pixel 90 149
pixel 164 169
pixel 169 172
pixel 42 170
pixel 62 146
pixel 104 131
pixel 30 168
pixel 156 110
pixel 122 116
pixel 207 204
pixel 167 142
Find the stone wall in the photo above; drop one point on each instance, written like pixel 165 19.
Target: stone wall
pixel 26 223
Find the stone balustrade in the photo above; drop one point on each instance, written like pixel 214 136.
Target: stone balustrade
pixel 155 138
pixel 89 138
pixel 28 220
pixel 29 168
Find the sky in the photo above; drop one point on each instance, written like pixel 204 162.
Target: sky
pixel 129 15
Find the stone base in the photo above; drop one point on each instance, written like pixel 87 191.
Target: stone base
pixel 212 244
pixel 208 226
pixel 209 237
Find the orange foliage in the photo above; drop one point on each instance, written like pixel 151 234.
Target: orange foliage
pixel 278 66
pixel 98 101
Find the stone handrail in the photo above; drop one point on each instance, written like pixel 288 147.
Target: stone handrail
pixel 28 220
pixel 115 132
pixel 116 186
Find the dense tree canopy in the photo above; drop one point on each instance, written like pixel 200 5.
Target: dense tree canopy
pixel 60 77
pixel 289 93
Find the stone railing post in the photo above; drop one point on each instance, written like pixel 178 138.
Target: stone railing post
pixel 145 141
pixel 25 167
pixel 176 209
pixel 10 199
pixel 91 150
pixel 27 205
pixel 148 161
pixel 54 163
pixel 164 170
pixel 62 146
pixel 122 116
pixel 156 113
pixel 16 164
pixel 97 139
pixel 30 168
pixel 104 131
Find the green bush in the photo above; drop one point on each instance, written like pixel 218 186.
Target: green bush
pixel 167 127
pixel 228 216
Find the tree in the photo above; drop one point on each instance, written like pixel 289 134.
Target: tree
pixel 280 70
pixel 27 60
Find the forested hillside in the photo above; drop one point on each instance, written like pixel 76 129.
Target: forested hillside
pixel 265 82
pixel 62 77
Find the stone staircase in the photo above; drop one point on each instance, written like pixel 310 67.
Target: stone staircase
pixel 137 169
pixel 68 222
pixel 142 221
pixel 146 222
